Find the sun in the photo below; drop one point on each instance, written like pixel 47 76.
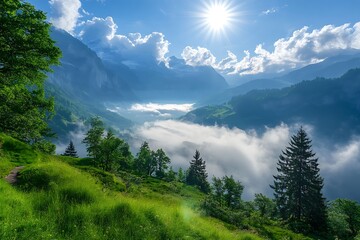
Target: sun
pixel 216 17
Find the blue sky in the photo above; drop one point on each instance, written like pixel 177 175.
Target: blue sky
pixel 252 23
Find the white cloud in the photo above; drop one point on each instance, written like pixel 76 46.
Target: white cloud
pixel 303 47
pixel 269 11
pixel 65 14
pixel 198 57
pixel 157 108
pixel 101 35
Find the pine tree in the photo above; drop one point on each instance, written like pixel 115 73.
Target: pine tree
pixel 70 150
pixel 298 186
pixel 197 175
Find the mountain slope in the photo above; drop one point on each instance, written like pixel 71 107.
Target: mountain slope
pixel 177 82
pixel 57 200
pixel 331 105
pixel 83 74
pixel 332 67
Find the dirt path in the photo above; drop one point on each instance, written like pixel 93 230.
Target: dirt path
pixel 11 178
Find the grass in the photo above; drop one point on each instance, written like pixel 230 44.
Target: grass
pixel 64 198
pixel 57 200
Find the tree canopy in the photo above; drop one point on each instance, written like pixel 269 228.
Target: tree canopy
pixel 26 55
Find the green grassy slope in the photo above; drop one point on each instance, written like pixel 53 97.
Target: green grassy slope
pixel 55 198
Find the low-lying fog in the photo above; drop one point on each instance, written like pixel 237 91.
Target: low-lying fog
pixel 247 155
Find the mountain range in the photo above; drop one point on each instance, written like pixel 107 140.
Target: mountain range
pixel 332 67
pixel 331 105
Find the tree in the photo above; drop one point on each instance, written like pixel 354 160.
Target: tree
pixel 298 186
pixel 144 162
pixel 161 162
pixel 26 54
pixel 181 175
pixel 197 175
pixel 264 205
pixel 70 150
pixel 232 192
pixel 344 218
pixel 93 137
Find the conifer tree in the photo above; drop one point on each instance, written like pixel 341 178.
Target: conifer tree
pixel 298 186
pixel 197 175
pixel 70 150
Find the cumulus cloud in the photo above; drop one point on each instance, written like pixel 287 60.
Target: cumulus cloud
pixel 252 157
pixel 65 13
pixel 198 57
pixel 101 35
pixel 303 47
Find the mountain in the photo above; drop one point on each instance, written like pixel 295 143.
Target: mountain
pixel 331 105
pixel 332 67
pixel 175 82
pixel 70 113
pixel 83 74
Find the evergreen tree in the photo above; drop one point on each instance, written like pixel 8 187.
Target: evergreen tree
pixel 70 150
pixel 197 175
pixel 26 55
pixel 181 175
pixel 298 186
pixel 171 175
pixel 144 162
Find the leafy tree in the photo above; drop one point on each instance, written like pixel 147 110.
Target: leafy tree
pixel 94 137
pixel 344 218
pixel 218 190
pixel 70 150
pixel 298 186
pixel 109 152
pixel 112 151
pixel 264 205
pixel 26 54
pixel 161 161
pixel 197 175
pixel 232 192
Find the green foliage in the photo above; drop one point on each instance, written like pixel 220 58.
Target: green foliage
pixel 26 54
pixel 162 161
pixel 144 162
pixel 109 152
pixel 71 205
pixel 344 218
pixel 298 186
pixel 264 205
pixel 197 175
pixel 93 137
pixel 107 180
pixel 70 150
